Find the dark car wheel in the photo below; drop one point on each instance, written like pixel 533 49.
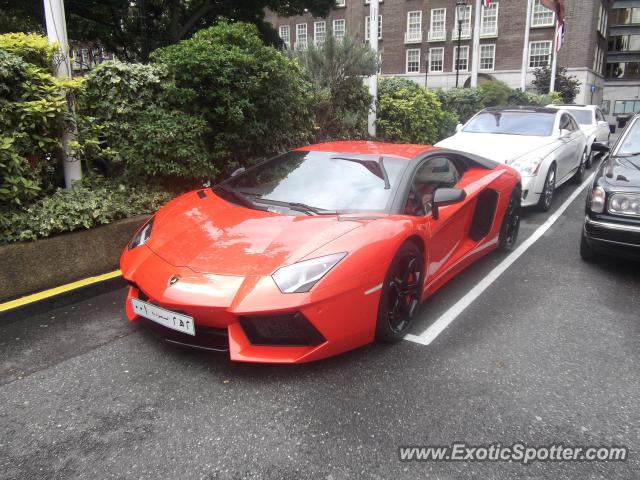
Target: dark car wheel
pixel 587 252
pixel 590 159
pixel 511 223
pixel 549 189
pixel 578 177
pixel 400 296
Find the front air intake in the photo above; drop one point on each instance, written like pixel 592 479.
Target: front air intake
pixel 286 329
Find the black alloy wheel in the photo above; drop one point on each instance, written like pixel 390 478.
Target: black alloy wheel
pixel 401 292
pixel 511 223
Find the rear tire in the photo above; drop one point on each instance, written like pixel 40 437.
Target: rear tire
pixel 548 190
pixel 401 294
pixel 511 222
pixel 578 177
pixel 590 159
pixel 587 252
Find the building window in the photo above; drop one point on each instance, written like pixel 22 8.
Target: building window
pixel 541 16
pixel 341 3
pixel 464 58
pixel 438 29
pixel 487 57
pixel 626 16
pixel 339 29
pixel 413 60
pixel 285 35
pixel 626 106
pixel 489 21
pixel 319 33
pixel 623 70
pixel 367 28
pixel 466 23
pixel 539 54
pixel 414 27
pixel 624 43
pixel 301 36
pixel 436 59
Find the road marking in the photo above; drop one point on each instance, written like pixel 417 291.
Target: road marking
pixel 437 327
pixel 57 290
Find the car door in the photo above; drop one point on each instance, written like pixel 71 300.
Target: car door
pixel 447 232
pixel 567 155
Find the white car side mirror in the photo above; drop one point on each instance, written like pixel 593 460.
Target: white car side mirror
pixel 564 132
pixel 459 127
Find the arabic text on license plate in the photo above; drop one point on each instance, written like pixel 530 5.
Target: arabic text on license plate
pixel 167 318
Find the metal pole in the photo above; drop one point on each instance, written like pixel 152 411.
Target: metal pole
pixel 426 69
pixel 373 79
pixel 458 52
pixel 475 60
pixel 525 48
pixel 554 62
pixel 57 33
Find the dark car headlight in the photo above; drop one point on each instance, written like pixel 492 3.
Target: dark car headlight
pixel 142 235
pixel 625 204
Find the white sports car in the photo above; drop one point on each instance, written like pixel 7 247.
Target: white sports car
pixel 545 145
pixel 591 121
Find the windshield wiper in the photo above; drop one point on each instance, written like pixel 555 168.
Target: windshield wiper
pixel 631 154
pixel 298 207
pixel 241 198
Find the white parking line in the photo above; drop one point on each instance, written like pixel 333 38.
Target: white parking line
pixel 437 327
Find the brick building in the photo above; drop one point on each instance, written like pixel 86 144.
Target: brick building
pixel 418 39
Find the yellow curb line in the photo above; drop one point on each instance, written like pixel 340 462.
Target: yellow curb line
pixel 57 290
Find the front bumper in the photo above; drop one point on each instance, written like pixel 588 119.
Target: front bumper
pixel 531 190
pixel 614 237
pixel 344 318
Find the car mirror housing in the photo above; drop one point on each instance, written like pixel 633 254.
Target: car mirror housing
pixel 564 132
pixel 459 127
pixel 446 196
pixel 599 147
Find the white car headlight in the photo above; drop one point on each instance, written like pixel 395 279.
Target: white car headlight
pixel 528 167
pixel 598 197
pixel 301 276
pixel 142 235
pixel 625 204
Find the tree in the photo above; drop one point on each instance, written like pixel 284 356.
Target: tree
pixel 118 24
pixel 342 102
pixel 567 85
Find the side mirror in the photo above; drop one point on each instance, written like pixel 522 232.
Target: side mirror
pixel 602 123
pixel 459 127
pixel 238 171
pixel 599 147
pixel 564 133
pixel 446 196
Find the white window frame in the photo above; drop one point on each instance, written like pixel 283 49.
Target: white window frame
pixel 339 21
pixel 492 47
pixel 412 51
pixel 413 33
pixel 441 59
pixel 367 27
pixel 341 3
pixel 287 40
pixel 541 16
pixel 302 39
pixel 465 57
pixel 466 23
pixel 319 35
pixel 484 31
pixel 549 47
pixel 438 34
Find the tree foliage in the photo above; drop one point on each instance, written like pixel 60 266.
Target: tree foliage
pixel 567 85
pixel 118 24
pixel 342 101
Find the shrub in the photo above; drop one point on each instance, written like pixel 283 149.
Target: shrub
pixel 566 85
pixel 464 102
pixel 32 48
pixel 88 204
pixel 409 113
pixel 495 93
pixel 254 99
pixel 342 102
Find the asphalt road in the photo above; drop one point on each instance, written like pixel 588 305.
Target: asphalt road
pixel 549 353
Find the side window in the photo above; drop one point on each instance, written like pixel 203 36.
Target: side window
pixel 437 172
pixel 574 125
pixel 599 116
pixel 565 123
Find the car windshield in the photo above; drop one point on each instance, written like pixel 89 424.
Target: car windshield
pixel 538 124
pixel 325 181
pixel 630 142
pixel 584 117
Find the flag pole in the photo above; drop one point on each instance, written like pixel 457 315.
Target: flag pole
pixel 373 79
pixel 554 62
pixel 525 48
pixel 475 59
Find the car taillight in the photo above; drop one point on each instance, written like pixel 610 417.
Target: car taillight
pixel 286 329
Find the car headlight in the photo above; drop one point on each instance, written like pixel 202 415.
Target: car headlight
pixel 142 235
pixel 598 197
pixel 527 167
pixel 625 204
pixel 301 276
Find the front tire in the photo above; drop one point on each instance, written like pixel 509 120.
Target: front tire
pixel 401 293
pixel 511 222
pixel 548 190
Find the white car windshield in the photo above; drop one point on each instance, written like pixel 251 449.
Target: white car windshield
pixel 631 141
pixel 537 124
pixel 584 117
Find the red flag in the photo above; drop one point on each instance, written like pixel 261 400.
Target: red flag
pixel 486 3
pixel 556 6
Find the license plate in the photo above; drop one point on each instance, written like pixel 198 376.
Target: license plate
pixel 167 318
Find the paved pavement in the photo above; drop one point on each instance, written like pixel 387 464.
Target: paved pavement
pixel 549 353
